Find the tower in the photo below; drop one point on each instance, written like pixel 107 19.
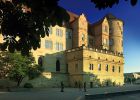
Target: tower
pixel 115 34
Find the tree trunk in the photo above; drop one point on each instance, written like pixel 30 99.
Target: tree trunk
pixel 19 81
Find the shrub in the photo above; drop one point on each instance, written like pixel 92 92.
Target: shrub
pixel 28 85
pixel 107 82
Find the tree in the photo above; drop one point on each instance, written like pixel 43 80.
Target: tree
pixel 102 4
pixel 29 21
pixel 96 81
pixel 15 67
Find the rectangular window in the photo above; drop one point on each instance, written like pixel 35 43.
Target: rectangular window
pixel 105 41
pixel 59 32
pixel 56 46
pixel 106 29
pixel 50 30
pixel 91 66
pixel 119 69
pixel 111 42
pixel 68 35
pixel 56 32
pixel 48 44
pixel 113 69
pixel 59 46
pixel 99 67
pixel 107 67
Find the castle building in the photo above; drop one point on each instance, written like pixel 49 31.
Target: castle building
pixel 79 51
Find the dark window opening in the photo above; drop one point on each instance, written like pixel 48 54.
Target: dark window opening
pixel 40 61
pixel 119 69
pixel 57 65
pixel 113 69
pixel 107 68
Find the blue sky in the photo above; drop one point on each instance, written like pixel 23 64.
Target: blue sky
pixel 131 17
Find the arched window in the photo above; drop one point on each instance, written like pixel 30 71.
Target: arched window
pixel 57 65
pixel 40 61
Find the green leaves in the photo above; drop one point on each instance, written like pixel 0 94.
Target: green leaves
pixel 15 66
pixel 29 21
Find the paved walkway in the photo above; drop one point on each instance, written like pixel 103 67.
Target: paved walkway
pixel 55 94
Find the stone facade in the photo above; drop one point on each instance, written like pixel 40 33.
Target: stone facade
pixel 74 52
pixel 81 59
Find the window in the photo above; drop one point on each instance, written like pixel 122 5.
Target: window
pixel 91 67
pixel 83 37
pixel 99 67
pixel 68 34
pixel 48 44
pixel 59 46
pixel 107 67
pixel 111 42
pixel 113 69
pixel 119 69
pixel 106 29
pixel 59 32
pixel 105 42
pixel 50 30
pixel 57 65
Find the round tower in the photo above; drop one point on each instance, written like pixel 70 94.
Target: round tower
pixel 115 34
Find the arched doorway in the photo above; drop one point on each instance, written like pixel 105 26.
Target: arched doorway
pixel 40 61
pixel 57 65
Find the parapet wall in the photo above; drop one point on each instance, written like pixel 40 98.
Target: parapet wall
pixel 95 50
